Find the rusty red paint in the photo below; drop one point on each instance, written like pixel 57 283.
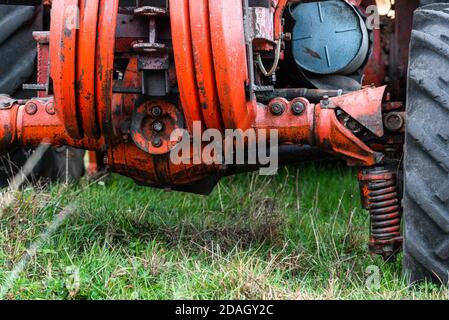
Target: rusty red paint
pixel 185 67
pixel 318 125
pixel 63 59
pixel 85 68
pixel 211 73
pixel 370 116
pixel 104 63
pixel 231 71
pixel 143 133
pixel 43 58
pixel 204 64
pixel 381 198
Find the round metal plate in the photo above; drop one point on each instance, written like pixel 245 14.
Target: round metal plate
pixel 329 37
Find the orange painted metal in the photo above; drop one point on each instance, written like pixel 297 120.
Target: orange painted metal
pixel 8 121
pixel 185 67
pixel 63 59
pixel 231 70
pixel 319 126
pixel 104 64
pixel 125 104
pixel 316 126
pixel 155 171
pixel 33 122
pixel 334 137
pixel 204 64
pixel 212 77
pixel 282 4
pixel 85 68
pixel 370 116
pixel 142 132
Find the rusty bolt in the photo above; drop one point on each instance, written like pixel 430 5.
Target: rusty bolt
pixel 298 108
pixel 156 111
pixel 277 108
pixel 50 108
pixel 158 126
pixel 325 103
pixel 394 121
pixel 157 142
pixel 31 108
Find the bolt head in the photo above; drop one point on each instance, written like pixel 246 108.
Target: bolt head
pixel 31 108
pixel 50 108
pixel 156 111
pixel 394 122
pixel 157 142
pixel 158 126
pixel 277 109
pixel 298 108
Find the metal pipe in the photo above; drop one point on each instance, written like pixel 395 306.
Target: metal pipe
pixel 313 95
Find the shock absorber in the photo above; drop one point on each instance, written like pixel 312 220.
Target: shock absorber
pixel 381 198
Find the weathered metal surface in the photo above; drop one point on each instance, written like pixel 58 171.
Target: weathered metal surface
pixel 209 82
pixel 381 198
pixel 278 18
pixel 319 126
pixel 185 66
pixel 151 11
pixel 63 39
pixel 104 63
pixel 260 28
pixel 43 57
pixel 204 63
pixel 85 67
pixel 230 61
pixel 152 124
pixel 370 115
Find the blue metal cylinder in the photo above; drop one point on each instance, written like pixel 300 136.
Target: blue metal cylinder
pixel 329 37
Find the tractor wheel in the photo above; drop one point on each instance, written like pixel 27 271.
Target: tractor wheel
pixel 426 186
pixel 427 2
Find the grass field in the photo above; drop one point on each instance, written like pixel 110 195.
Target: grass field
pixel 298 235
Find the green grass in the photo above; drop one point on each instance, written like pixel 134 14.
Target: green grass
pixel 298 235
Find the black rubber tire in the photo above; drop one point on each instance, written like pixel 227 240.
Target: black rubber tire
pixel 426 192
pixel 66 165
pixel 427 2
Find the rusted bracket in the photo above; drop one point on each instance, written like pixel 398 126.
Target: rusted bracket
pixel 364 106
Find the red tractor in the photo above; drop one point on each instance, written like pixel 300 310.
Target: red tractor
pixel 139 81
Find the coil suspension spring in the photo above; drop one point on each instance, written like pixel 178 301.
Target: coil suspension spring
pixel 381 198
